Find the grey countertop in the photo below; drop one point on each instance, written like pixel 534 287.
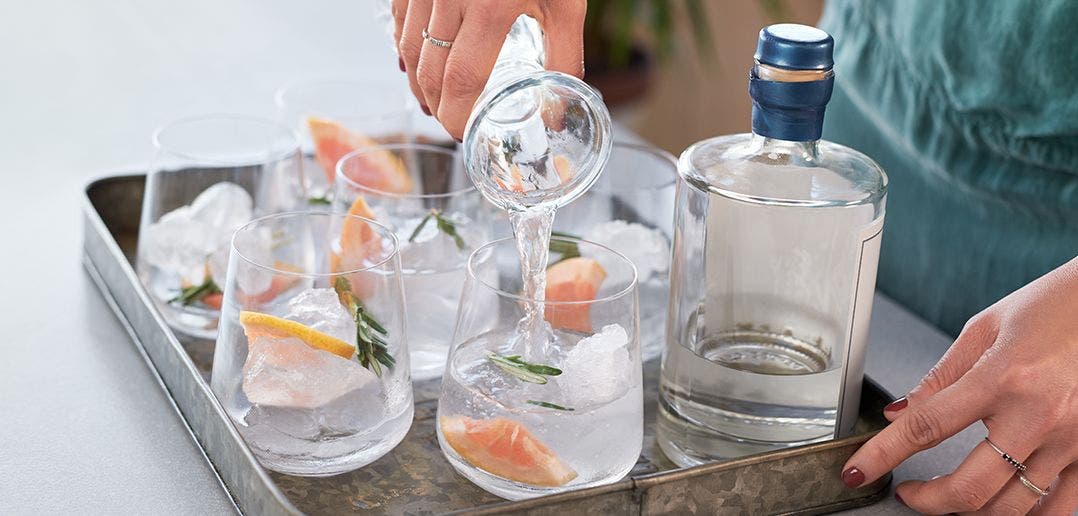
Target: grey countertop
pixel 86 427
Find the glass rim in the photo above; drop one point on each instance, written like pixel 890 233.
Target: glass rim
pixel 339 172
pixel 280 97
pixel 380 228
pixel 293 148
pixel 473 276
pixel 646 149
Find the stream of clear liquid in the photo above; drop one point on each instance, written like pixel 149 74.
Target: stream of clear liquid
pixel 531 228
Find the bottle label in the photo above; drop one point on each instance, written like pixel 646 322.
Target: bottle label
pixel 859 317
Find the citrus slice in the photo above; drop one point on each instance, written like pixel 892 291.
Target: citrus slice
pixel 378 169
pixel 214 300
pixel 505 448
pixel 358 239
pixel 256 324
pixel 358 242
pixel 564 168
pixel 574 279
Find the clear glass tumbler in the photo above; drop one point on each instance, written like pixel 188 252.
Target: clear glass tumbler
pixel 522 417
pixel 311 361
pixel 335 116
pixel 210 175
pixel 439 221
pixel 631 210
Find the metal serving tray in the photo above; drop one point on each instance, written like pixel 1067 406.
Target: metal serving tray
pixel 414 477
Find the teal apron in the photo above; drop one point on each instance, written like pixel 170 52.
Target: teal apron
pixel 972 109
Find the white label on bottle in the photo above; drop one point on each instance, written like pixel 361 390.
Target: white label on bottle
pixel 849 400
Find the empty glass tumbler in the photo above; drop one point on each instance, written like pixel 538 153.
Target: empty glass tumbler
pixel 311 361
pixel 439 219
pixel 210 175
pixel 527 411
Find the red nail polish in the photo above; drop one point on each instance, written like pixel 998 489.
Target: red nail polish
pixel 853 478
pixel 899 498
pixel 897 405
pixel 400 61
pixel 426 110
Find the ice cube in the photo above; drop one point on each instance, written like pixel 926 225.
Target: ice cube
pixel 289 373
pixel 179 244
pixel 646 247
pixel 183 239
pixel 257 247
pixel 224 206
pixel 321 309
pixel 598 369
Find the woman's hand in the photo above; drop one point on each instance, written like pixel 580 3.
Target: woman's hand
pixel 447 81
pixel 1014 367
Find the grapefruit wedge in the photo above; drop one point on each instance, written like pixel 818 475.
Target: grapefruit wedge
pixel 358 242
pixel 378 169
pixel 256 324
pixel 505 448
pixel 574 279
pixel 564 168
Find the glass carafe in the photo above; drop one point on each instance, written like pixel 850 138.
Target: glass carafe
pixel 536 139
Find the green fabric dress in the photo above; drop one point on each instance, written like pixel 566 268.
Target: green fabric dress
pixel 972 110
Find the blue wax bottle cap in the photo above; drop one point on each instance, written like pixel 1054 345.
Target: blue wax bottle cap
pixel 795 47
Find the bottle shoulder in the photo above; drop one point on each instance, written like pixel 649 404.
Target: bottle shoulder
pixel 755 169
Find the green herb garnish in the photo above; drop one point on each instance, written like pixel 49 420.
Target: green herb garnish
pixel 532 373
pixel 319 200
pixel 371 347
pixel 196 293
pixel 547 404
pixel 565 249
pixel 444 225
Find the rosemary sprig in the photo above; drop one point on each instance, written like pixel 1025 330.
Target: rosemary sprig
pixel 547 404
pixel 323 200
pixel 371 347
pixel 514 365
pixel 565 249
pixel 444 225
pixel 196 293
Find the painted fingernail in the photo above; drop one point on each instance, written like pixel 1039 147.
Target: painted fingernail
pixel 853 477
pixel 897 405
pixel 426 110
pixel 400 61
pixel 899 498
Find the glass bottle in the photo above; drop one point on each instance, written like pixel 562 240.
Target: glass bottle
pixel 776 243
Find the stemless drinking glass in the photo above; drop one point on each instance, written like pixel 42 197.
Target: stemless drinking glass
pixel 631 209
pixel 439 219
pixel 210 175
pixel 344 114
pixel 543 416
pixel 311 361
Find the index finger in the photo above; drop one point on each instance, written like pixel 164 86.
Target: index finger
pixel 918 428
pixel 468 66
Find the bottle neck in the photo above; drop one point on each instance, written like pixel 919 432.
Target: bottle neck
pixel 795 152
pixel 789 104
